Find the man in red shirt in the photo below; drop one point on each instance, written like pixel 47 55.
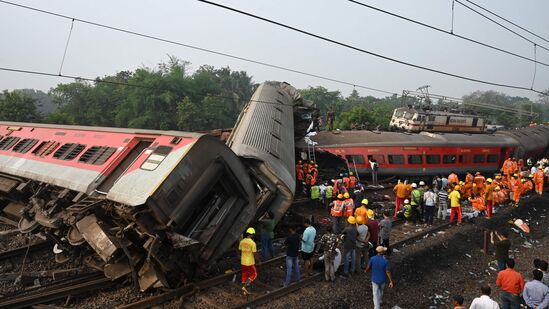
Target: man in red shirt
pixel 511 283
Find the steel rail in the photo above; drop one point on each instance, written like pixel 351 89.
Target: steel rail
pixel 21 250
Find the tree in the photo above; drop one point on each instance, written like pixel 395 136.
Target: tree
pixel 17 106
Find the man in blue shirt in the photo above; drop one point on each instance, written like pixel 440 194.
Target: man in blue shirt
pixel 307 247
pixel 535 293
pixel 380 272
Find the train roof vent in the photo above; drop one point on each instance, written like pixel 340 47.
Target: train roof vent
pixel 8 142
pixel 68 151
pixel 97 155
pixel 25 145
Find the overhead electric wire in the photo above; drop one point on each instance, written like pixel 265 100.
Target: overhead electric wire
pixel 507 20
pixel 152 37
pixel 451 32
pixel 501 25
pixel 367 51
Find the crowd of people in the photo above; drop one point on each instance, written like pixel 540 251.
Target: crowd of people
pixel 358 241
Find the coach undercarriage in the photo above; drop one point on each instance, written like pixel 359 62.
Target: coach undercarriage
pixel 117 239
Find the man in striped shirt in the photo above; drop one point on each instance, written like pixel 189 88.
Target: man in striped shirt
pixel 442 197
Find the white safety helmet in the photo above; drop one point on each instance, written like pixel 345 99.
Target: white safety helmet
pixel 406 201
pixel 414 185
pixel 421 183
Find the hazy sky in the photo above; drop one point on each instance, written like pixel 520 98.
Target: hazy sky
pixel 34 41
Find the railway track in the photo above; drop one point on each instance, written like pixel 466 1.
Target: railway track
pixel 228 294
pixel 83 284
pixel 24 249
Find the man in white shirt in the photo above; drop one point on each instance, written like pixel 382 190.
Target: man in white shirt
pixel 484 301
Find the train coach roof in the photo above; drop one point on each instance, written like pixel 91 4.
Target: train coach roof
pixel 101 129
pixel 371 138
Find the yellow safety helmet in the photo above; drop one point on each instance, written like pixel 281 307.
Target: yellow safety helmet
pixel 461 183
pixel 540 167
pixel 250 230
pixel 350 173
pixel 340 196
pixel 346 195
pixel 351 220
pixel 359 220
pixel 316 165
pixel 312 162
pixel 370 213
pixel 457 188
pixel 364 201
pixel 489 180
pixel 523 180
pixel 498 176
pixel 531 176
pixel 497 188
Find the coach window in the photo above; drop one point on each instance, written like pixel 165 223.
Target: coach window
pixel 355 159
pixel 492 158
pixel 415 159
pixel 379 158
pixel 432 159
pixel 479 158
pixel 449 159
pixel 396 159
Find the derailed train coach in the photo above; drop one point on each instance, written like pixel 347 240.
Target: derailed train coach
pixel 153 204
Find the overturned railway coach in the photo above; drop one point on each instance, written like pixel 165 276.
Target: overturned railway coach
pixel 154 204
pixel 419 154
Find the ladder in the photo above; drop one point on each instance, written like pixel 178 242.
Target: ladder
pixel 311 151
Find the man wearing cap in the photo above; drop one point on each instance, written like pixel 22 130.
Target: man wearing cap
pixel 248 257
pixel 380 273
pixel 349 245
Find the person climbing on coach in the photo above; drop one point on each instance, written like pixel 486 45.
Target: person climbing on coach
pixel 400 192
pixel 248 258
pixel 455 205
pixel 336 212
pixel 539 178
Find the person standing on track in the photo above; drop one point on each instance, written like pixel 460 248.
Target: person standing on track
pixel 502 244
pixel 400 192
pixel 489 198
pixel 329 243
pixel 373 229
pixel 248 258
pixel 416 202
pixel 307 247
pixel 539 178
pixel 337 213
pixel 455 205
pixel 429 199
pixel 442 200
pixel 511 283
pixel 350 235
pixel 385 226
pixel 362 246
pixel 267 226
pixel 380 273
pixel 292 256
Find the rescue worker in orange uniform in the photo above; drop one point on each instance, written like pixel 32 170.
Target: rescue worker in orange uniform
pixel 479 181
pixel 362 211
pixel 489 197
pixel 478 203
pixel 516 189
pixel 300 176
pixel 346 180
pixel 311 167
pixel 352 181
pixel 469 177
pixel 315 174
pixel 453 179
pixel 348 205
pixel 539 178
pixel 508 168
pixel 336 211
pixel 401 191
pixel 467 189
pixel 527 185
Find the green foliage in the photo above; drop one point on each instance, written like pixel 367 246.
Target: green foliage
pixel 168 97
pixel 18 106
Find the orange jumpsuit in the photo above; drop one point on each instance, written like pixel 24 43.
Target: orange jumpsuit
pixel 401 191
pixel 539 177
pixel 516 187
pixel 478 204
pixel 527 186
pixel 489 198
pixel 479 181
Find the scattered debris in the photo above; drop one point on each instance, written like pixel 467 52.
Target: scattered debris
pixel 468 255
